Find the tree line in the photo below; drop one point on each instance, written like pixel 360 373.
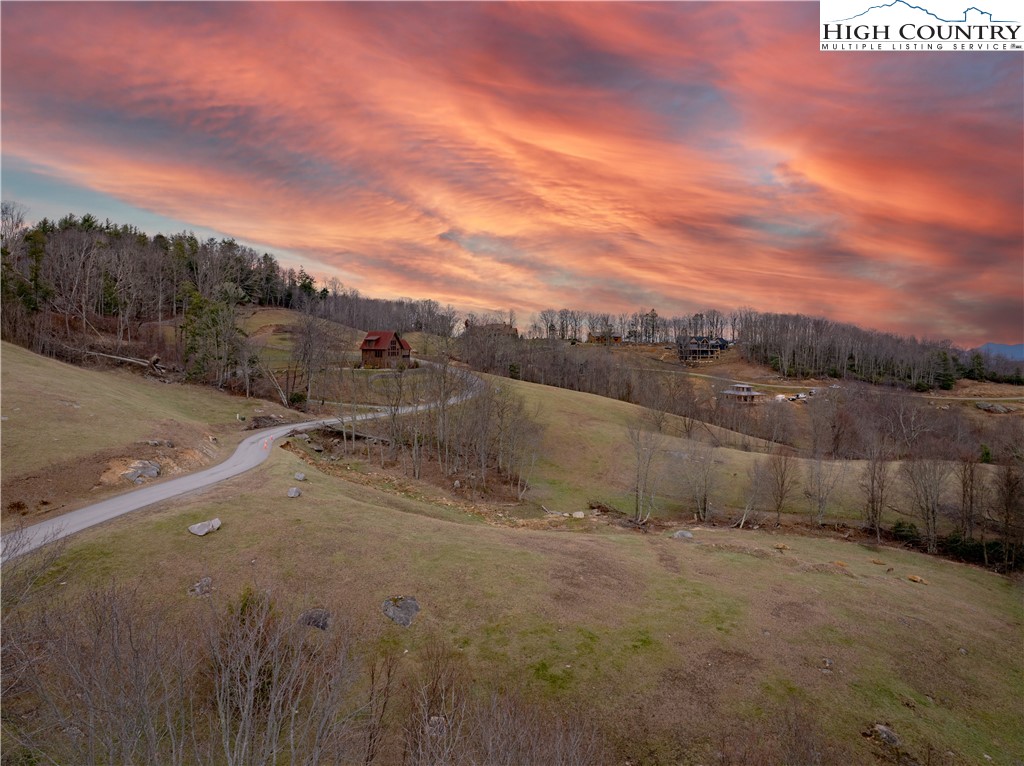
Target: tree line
pixel 803 346
pixel 78 281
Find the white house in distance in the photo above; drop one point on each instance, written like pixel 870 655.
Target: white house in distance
pixel 743 393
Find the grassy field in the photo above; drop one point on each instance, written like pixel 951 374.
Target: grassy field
pixel 665 644
pixel 62 424
pixel 722 627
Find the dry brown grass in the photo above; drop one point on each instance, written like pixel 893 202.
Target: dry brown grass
pixel 66 429
pixel 692 634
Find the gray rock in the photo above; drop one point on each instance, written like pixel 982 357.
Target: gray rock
pixel 202 588
pixel 998 409
pixel 294 492
pixel 316 447
pixel 682 534
pixel 401 609
pixel 316 618
pixel 203 527
pixel 142 469
pixel 458 484
pixel 579 515
pixel 886 735
pixel 300 476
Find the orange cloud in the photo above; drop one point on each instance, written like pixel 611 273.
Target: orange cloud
pixel 601 156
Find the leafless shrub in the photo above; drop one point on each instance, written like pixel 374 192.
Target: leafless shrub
pixel 437 703
pixel 508 731
pixel 278 687
pixel 109 682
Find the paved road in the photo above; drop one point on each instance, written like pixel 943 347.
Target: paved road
pixel 250 453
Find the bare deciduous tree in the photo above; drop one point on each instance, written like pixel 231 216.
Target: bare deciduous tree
pixel 821 477
pixel 646 441
pixel 782 477
pixel 924 484
pixel 697 473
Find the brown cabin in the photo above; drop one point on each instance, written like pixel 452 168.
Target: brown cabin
pixel 384 348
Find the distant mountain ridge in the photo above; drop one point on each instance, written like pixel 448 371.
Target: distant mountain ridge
pixel 1015 352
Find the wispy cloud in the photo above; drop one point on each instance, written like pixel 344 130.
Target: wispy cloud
pixel 594 155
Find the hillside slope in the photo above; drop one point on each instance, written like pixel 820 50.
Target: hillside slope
pixel 68 432
pixel 672 647
pixel 675 649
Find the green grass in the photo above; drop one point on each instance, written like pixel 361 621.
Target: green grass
pixel 604 617
pixel 708 631
pixel 55 411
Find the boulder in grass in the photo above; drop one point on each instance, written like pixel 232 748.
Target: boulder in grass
pixel 401 609
pixel 682 534
pixel 203 527
pixel 294 492
pixel 300 476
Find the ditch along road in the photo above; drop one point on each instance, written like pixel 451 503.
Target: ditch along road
pixel 250 453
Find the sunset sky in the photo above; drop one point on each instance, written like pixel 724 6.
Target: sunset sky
pixel 608 157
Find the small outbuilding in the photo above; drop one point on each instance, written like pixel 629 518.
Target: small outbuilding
pixel 385 348
pixel 743 393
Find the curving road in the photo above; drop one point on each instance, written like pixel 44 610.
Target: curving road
pixel 250 453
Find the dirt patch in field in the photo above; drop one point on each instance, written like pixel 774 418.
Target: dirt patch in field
pixel 68 484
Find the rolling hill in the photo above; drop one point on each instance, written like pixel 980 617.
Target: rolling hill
pixel 675 649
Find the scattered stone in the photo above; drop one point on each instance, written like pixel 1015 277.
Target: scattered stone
pixel 316 618
pixel 294 492
pixel 885 734
pixel 998 409
pixel 781 547
pixel 827 662
pixel 202 588
pixel 300 476
pixel 962 651
pixel 458 484
pixel 682 534
pixel 877 561
pixel 401 609
pixel 159 443
pixel 316 447
pixel 579 515
pixel 204 527
pixel 915 578
pixel 140 470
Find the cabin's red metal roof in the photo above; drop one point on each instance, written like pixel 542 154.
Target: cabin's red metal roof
pixel 381 339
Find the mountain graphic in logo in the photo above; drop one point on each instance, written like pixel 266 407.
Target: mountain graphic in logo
pixel 902 5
